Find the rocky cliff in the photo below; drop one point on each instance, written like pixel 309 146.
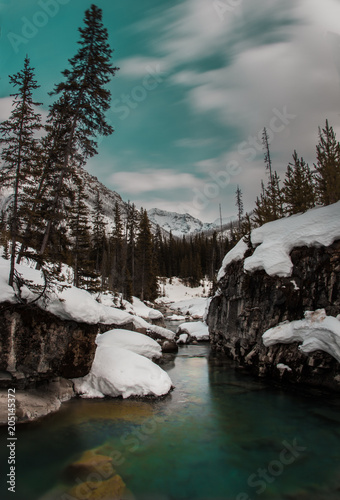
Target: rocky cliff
pixel 248 304
pixel 36 346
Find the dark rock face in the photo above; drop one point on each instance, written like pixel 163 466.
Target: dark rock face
pixel 37 346
pixel 250 304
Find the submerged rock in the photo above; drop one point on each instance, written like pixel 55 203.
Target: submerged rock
pixel 110 489
pixel 38 402
pixel 169 346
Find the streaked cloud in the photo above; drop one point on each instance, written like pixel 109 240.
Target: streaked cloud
pixel 151 179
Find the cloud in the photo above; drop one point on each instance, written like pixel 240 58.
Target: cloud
pixel 151 179
pixel 139 66
pixel 5 108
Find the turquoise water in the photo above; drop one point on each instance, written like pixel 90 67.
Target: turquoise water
pixel 220 435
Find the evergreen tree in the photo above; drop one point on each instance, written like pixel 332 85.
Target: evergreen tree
pixel 267 157
pixel 328 166
pixel 147 279
pixel 132 222
pixel 117 242
pixel 298 190
pixel 83 266
pixel 19 145
pixel 239 205
pixel 98 232
pixel 86 96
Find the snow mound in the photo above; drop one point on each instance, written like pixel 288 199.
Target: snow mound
pixel 275 240
pixel 195 329
pixel 119 372
pixel 133 341
pixel 235 254
pixel 140 309
pixel 176 317
pixel 317 332
pixel 194 307
pixel 183 338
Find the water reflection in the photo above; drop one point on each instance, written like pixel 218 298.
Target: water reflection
pixel 221 434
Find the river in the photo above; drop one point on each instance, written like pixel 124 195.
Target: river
pixel 220 435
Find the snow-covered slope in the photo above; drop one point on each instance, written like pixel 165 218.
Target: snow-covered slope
pixel 178 224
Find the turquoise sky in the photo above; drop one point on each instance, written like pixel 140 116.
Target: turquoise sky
pixel 199 80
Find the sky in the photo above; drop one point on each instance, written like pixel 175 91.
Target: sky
pixel 198 82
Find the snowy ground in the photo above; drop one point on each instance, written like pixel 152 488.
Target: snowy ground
pixel 275 240
pixel 316 332
pixel 174 290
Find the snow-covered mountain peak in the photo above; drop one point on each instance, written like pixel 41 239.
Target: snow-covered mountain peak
pixel 178 224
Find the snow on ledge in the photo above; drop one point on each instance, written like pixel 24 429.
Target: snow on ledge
pixel 317 332
pixel 275 240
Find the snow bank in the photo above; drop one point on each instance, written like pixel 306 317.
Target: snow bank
pixel 195 329
pixel 235 254
pixel 317 332
pixel 142 310
pixel 76 304
pixel 119 372
pixel 133 341
pixel 194 307
pixel 275 240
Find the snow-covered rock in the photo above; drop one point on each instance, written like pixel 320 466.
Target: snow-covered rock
pixel 282 367
pixel 140 309
pixel 235 254
pixel 316 332
pixel 119 372
pixel 133 341
pixel 196 329
pixel 195 307
pixel 275 240
pixel 176 317
pixel 183 338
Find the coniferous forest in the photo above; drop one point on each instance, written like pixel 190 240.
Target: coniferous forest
pixel 48 221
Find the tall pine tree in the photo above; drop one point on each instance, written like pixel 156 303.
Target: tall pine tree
pixel 299 189
pixel 87 98
pixel 20 145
